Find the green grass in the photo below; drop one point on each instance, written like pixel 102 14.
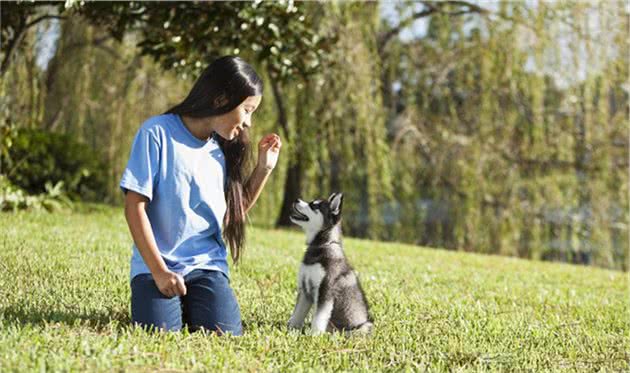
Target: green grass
pixel 64 305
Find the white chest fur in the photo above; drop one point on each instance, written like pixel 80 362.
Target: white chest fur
pixel 309 279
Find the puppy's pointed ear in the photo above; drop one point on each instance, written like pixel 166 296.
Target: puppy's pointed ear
pixel 335 200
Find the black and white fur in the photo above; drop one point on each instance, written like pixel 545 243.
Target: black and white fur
pixel 326 280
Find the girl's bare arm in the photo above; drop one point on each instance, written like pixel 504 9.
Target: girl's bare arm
pixel 255 185
pixel 169 283
pixel 268 150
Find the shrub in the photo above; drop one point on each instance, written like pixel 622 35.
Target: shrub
pixel 12 198
pixel 37 157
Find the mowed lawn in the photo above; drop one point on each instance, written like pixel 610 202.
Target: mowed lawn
pixel 64 305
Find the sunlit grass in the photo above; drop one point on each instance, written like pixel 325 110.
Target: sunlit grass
pixel 64 305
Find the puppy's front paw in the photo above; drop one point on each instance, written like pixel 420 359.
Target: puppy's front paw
pixel 316 332
pixel 292 324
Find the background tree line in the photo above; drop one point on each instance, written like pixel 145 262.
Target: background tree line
pixel 495 128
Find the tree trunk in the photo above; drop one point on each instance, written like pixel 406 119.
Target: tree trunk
pixel 292 191
pixel 582 161
pixel 292 184
pixel 12 45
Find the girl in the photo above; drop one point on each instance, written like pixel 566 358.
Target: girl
pixel 185 190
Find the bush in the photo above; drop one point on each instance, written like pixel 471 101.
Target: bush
pixel 37 157
pixel 13 198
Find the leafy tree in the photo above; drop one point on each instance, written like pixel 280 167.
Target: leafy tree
pixel 502 129
pixel 506 131
pixel 188 35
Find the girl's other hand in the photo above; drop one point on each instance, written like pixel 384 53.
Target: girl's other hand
pixel 268 151
pixel 170 284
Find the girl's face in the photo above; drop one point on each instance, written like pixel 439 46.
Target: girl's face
pixel 230 125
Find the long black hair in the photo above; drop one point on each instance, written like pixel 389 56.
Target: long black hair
pixel 222 86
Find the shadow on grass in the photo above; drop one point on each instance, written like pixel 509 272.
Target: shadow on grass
pixel 99 321
pixel 263 324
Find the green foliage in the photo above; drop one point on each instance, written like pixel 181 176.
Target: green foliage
pixel 341 133
pixel 189 35
pixel 66 297
pixel 39 159
pixel 515 146
pixel 8 132
pixel 13 198
pixel 501 131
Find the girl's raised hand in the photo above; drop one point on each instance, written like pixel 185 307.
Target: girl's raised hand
pixel 268 151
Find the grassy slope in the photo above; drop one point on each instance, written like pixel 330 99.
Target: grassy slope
pixel 64 304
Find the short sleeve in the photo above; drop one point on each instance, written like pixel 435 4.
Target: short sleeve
pixel 143 165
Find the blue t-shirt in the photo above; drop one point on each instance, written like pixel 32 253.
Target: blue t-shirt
pixel 184 179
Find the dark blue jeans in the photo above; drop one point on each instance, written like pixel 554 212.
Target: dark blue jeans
pixel 209 303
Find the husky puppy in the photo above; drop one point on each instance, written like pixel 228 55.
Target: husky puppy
pixel 326 279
